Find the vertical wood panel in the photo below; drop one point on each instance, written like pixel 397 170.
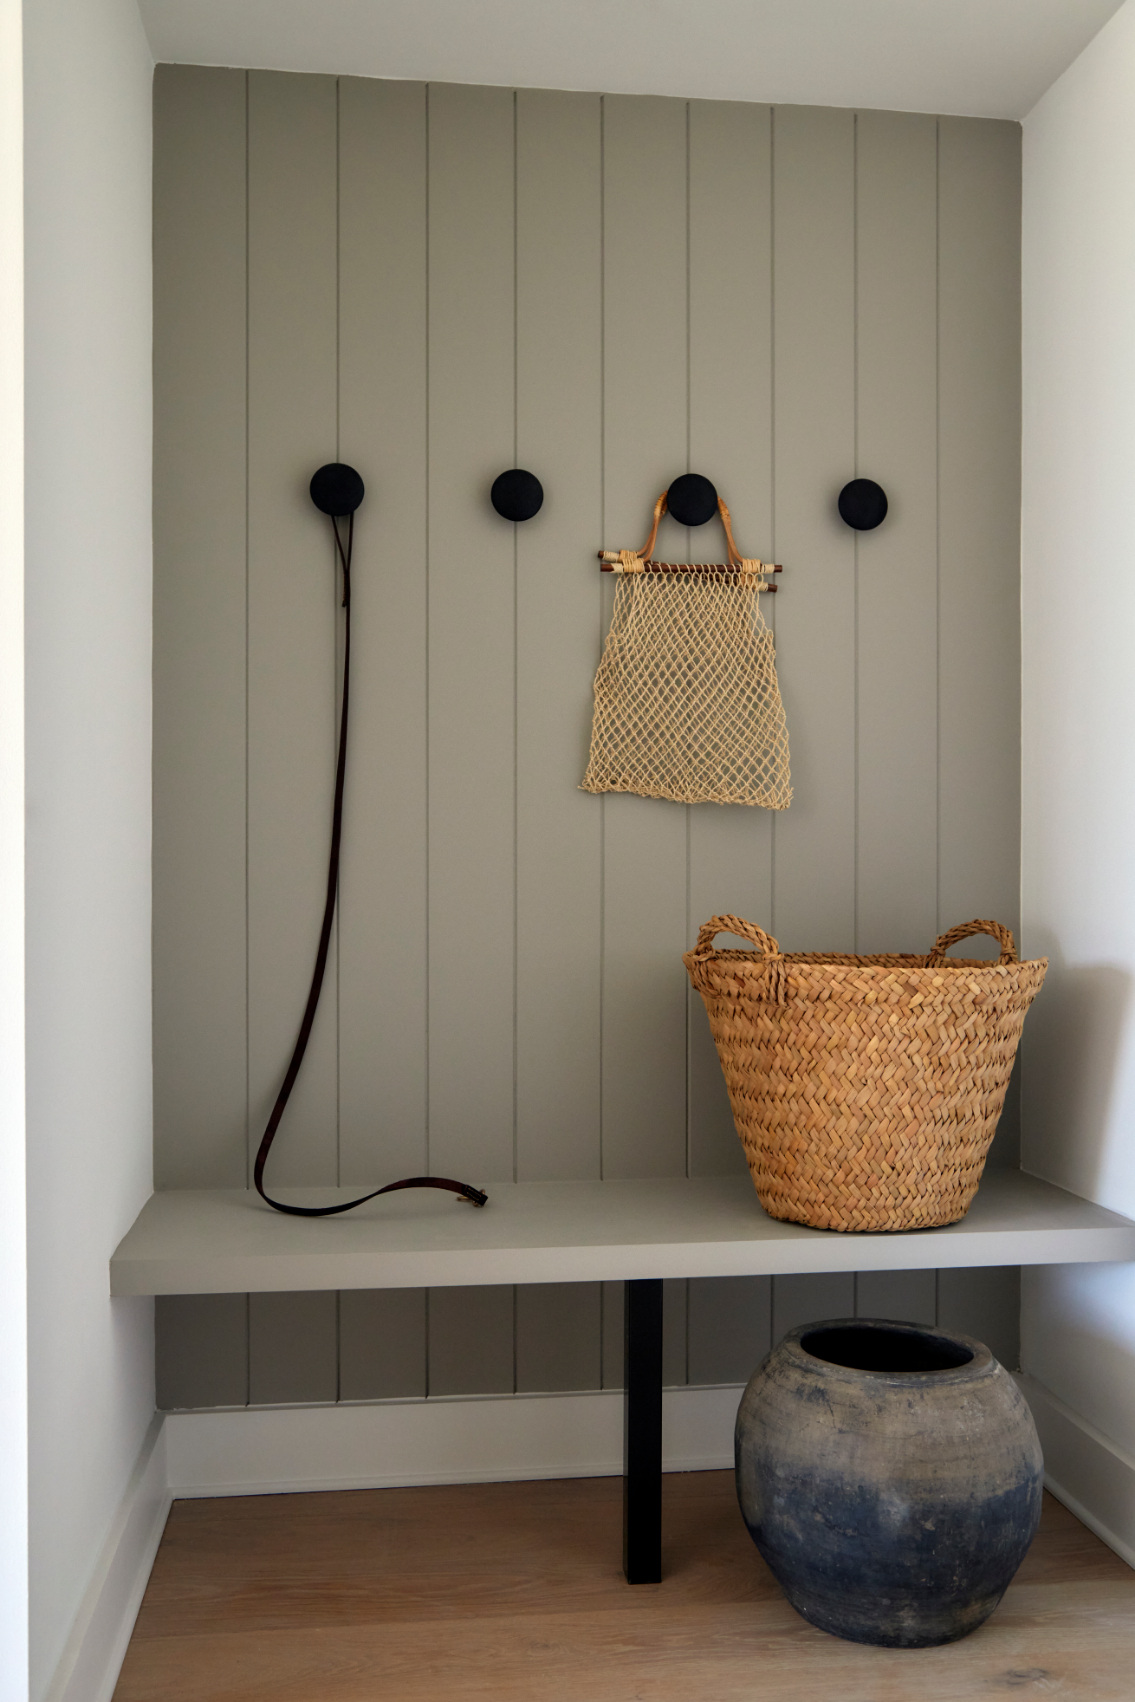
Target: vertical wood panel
pixel 729 1327
pixel 471 633
pixel 382 432
pixel 472 691
pixel 979 426
pixel 645 447
pixel 199 964
pixel 199 629
pixel 979 527
pixel 293 605
pixel 730 226
pixel 909 1295
pixel 382 1343
pixel 985 1303
pixel 896 566
pixel 559 421
pixel 814 349
pixel 559 389
pixel 202 1350
pixel 471 1341
pixel 292 1348
pixel 611 1296
pixel 382 921
pixel 675 1335
pixel 800 1300
pixel 557 1336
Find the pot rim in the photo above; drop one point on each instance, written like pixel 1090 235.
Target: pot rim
pixel 980 1365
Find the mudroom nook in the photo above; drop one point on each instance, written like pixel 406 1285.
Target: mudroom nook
pixel 377 779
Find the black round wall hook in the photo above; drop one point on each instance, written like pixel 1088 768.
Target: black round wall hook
pixel 863 505
pixel 691 500
pixel 336 489
pixel 517 494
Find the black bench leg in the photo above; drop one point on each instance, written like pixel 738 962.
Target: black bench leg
pixel 642 1432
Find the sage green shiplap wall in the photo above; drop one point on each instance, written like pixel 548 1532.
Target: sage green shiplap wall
pixel 435 284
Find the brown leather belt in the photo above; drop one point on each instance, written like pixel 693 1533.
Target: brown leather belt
pixel 463 1190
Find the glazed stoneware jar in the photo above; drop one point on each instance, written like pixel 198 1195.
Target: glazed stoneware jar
pixel 890 1476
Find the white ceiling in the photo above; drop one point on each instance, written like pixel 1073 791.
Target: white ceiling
pixel 991 58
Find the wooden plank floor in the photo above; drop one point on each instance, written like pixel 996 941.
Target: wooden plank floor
pixel 513 1590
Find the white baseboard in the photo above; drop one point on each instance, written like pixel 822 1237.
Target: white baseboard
pixel 275 1450
pixel 94 1651
pixel 496 1438
pixel 1091 1475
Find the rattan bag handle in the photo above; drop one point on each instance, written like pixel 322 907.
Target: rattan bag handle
pixel 708 932
pixel 964 931
pixel 637 557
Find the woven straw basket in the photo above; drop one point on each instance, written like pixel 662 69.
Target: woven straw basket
pixel 865 1090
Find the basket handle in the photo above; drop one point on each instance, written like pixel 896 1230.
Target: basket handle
pixel 709 931
pixel 764 943
pixel 964 930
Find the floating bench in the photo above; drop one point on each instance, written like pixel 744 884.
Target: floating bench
pixel 638 1232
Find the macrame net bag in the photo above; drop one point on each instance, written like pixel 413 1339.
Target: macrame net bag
pixel 687 705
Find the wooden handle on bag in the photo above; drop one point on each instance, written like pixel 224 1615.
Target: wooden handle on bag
pixel 641 561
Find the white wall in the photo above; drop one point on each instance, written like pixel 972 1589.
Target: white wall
pixel 87 140
pixel 1078 871
pixel 13 1287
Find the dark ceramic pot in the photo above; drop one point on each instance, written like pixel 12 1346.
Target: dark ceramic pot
pixel 891 1478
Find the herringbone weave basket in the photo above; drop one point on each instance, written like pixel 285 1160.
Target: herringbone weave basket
pixel 865 1090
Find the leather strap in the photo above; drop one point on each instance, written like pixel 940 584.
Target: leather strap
pixel 463 1190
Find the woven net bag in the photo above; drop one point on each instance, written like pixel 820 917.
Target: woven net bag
pixel 687 705
pixel 865 1090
